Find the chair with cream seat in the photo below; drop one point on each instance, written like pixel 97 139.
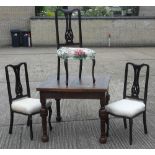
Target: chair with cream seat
pixel 131 105
pixel 22 102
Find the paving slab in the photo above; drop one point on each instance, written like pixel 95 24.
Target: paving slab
pixel 80 127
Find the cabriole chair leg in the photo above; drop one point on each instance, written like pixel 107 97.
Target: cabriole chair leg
pixel 66 68
pixel 11 122
pixel 58 69
pixel 93 66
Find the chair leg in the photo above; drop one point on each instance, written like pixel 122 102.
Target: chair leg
pixel 66 68
pixel 93 65
pixel 28 121
pixel 31 131
pixel 11 122
pixel 58 118
pixel 125 123
pixel 80 69
pixel 58 69
pixel 144 122
pixel 130 130
pixel 107 98
pixel 107 121
pixel 49 117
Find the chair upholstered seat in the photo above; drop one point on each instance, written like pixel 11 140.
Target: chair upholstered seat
pixel 28 105
pixel 126 107
pixel 76 53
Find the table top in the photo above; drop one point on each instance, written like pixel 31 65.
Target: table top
pixel 75 85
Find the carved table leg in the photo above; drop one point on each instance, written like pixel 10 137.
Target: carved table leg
pixel 103 118
pixel 58 118
pixel 93 66
pixel 43 114
pixel 107 118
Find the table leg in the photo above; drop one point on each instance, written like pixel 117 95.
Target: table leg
pixel 103 118
pixel 43 114
pixel 107 120
pixel 58 118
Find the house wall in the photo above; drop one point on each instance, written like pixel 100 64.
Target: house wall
pixel 14 17
pixel 134 31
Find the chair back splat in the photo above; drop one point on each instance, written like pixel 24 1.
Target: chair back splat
pixel 69 36
pixel 18 85
pixel 135 89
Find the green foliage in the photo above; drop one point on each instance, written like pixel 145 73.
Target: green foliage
pixel 89 11
pixel 38 10
pixel 95 11
pixel 48 11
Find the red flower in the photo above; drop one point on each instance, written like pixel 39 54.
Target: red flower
pixel 79 53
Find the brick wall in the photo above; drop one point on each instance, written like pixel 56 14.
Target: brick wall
pixel 14 17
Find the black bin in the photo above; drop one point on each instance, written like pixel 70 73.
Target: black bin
pixel 26 38
pixel 15 35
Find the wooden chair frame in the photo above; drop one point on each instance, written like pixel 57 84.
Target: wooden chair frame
pixel 69 36
pixel 19 95
pixel 135 90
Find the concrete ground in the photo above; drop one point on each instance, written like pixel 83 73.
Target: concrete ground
pixel 80 127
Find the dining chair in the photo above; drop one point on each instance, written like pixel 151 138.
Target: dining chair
pixel 20 100
pixel 133 103
pixel 67 48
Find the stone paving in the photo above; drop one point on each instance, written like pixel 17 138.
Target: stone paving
pixel 80 126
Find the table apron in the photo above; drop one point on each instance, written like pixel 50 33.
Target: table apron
pixel 73 95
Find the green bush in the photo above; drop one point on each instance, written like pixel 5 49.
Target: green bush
pixel 95 11
pixel 88 11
